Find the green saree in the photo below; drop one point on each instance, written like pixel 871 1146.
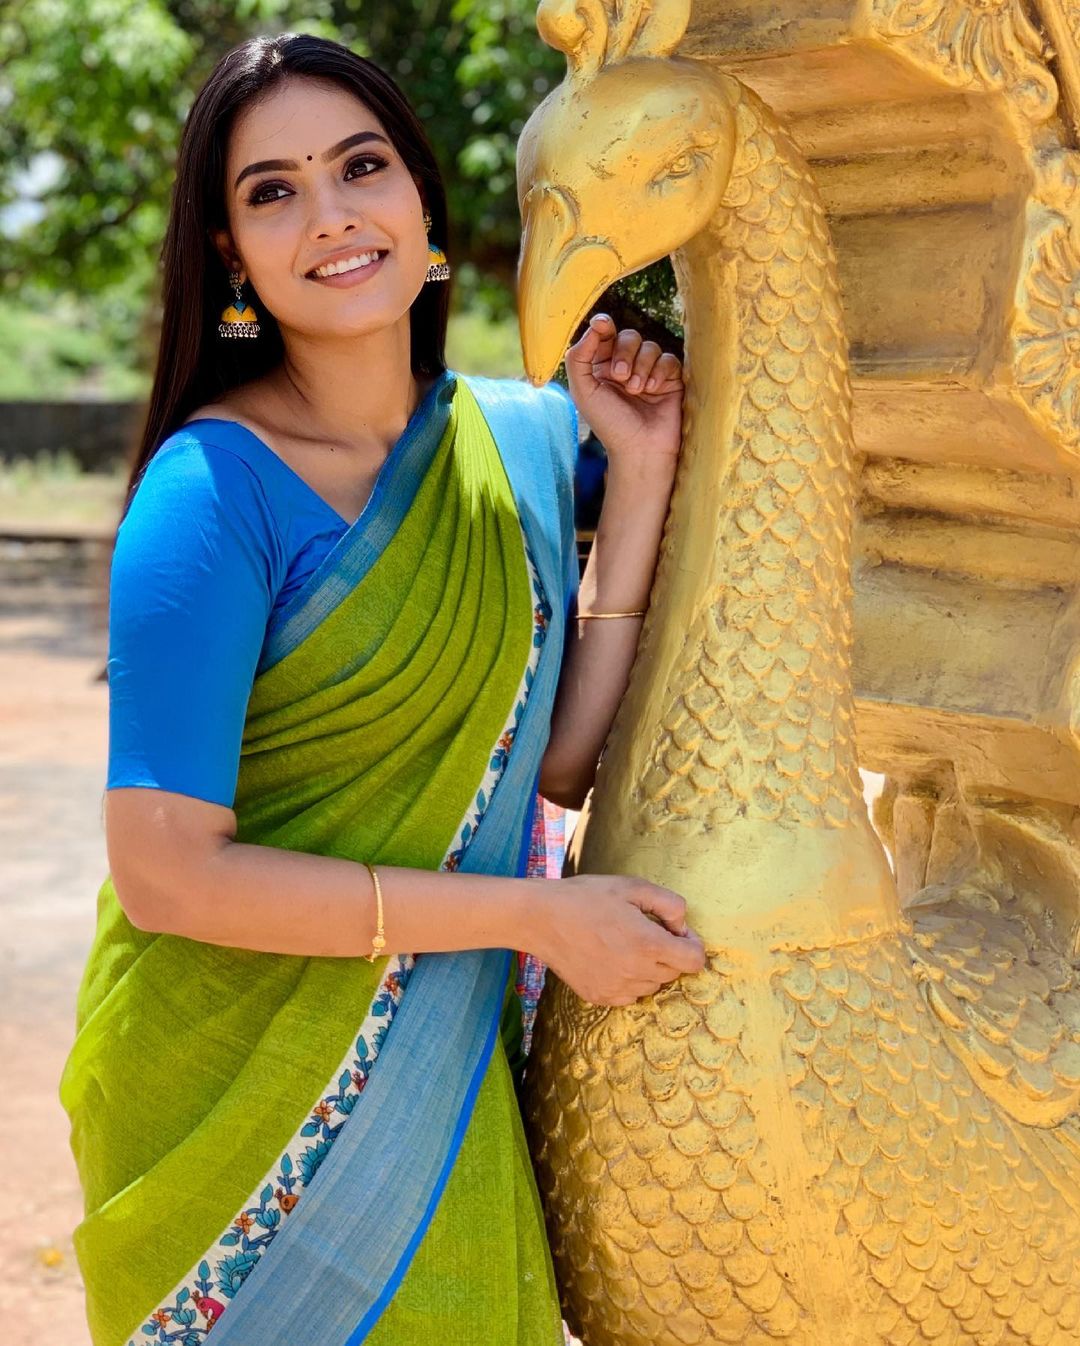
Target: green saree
pixel 270 1146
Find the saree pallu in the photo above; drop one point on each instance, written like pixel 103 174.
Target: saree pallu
pixel 287 1149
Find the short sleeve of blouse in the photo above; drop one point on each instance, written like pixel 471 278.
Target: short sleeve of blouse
pixel 197 563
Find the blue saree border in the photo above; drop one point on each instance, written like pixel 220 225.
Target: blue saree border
pixel 337 1261
pixel 339 1258
pixel 388 1291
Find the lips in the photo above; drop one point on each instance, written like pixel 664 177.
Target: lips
pixel 349 280
pixel 345 257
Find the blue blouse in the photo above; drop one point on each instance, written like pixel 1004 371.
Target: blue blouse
pixel 220 533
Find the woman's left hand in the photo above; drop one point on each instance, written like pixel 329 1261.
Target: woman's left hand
pixel 628 391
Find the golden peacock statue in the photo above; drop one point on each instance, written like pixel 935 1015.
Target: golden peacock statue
pixel 859 1124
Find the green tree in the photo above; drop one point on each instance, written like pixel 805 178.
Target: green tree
pixel 102 87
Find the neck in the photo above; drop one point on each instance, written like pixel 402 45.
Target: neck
pixel 354 393
pixel 733 756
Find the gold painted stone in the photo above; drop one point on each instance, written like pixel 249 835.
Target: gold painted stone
pixel 859 1123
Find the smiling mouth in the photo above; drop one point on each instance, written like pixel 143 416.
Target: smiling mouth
pixel 380 253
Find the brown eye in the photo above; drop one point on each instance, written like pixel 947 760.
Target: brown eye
pixel 256 198
pixel 365 159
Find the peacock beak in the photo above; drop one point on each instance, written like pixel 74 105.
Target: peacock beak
pixel 560 277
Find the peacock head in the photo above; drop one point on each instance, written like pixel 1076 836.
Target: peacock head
pixel 622 164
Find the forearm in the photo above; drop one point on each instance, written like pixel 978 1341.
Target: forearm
pixel 596 667
pixel 278 901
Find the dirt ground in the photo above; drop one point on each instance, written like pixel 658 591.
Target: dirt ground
pixel 53 739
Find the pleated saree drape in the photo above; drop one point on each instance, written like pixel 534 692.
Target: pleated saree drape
pixel 288 1149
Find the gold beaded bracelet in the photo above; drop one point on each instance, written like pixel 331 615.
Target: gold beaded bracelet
pixel 598 616
pixel 379 941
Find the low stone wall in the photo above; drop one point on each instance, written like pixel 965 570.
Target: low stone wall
pixel 99 434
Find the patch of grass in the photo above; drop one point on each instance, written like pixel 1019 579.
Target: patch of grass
pixel 476 345
pixel 53 493
pixel 59 349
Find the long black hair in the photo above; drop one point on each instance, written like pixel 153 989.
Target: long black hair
pixel 194 365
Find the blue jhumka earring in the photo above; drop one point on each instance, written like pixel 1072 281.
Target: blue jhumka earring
pixel 438 266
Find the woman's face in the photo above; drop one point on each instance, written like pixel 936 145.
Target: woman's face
pixel 312 177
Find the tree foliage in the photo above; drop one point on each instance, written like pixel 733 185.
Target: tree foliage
pixel 99 89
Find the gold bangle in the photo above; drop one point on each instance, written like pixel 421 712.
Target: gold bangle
pixel 594 616
pixel 379 941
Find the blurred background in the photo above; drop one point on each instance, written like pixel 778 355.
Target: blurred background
pixel 93 95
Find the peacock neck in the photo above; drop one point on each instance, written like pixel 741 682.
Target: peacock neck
pixel 739 718
pixel 767 652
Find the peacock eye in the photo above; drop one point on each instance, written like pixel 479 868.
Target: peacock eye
pixel 682 166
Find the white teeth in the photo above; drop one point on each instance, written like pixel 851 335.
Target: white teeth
pixel 349 264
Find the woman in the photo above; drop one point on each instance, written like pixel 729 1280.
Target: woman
pixel 337 614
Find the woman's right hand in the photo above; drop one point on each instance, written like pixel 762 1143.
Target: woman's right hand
pixel 597 935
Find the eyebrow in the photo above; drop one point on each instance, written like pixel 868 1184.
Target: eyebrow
pixel 267 165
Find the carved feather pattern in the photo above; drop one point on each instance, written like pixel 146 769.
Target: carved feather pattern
pixel 661 1161
pixel 1009 1003
pixel 960 1235
pixel 760 723
pixel 646 1146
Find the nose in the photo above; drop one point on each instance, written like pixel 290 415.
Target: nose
pixel 332 212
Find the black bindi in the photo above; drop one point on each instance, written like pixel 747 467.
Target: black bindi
pixel 309 156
